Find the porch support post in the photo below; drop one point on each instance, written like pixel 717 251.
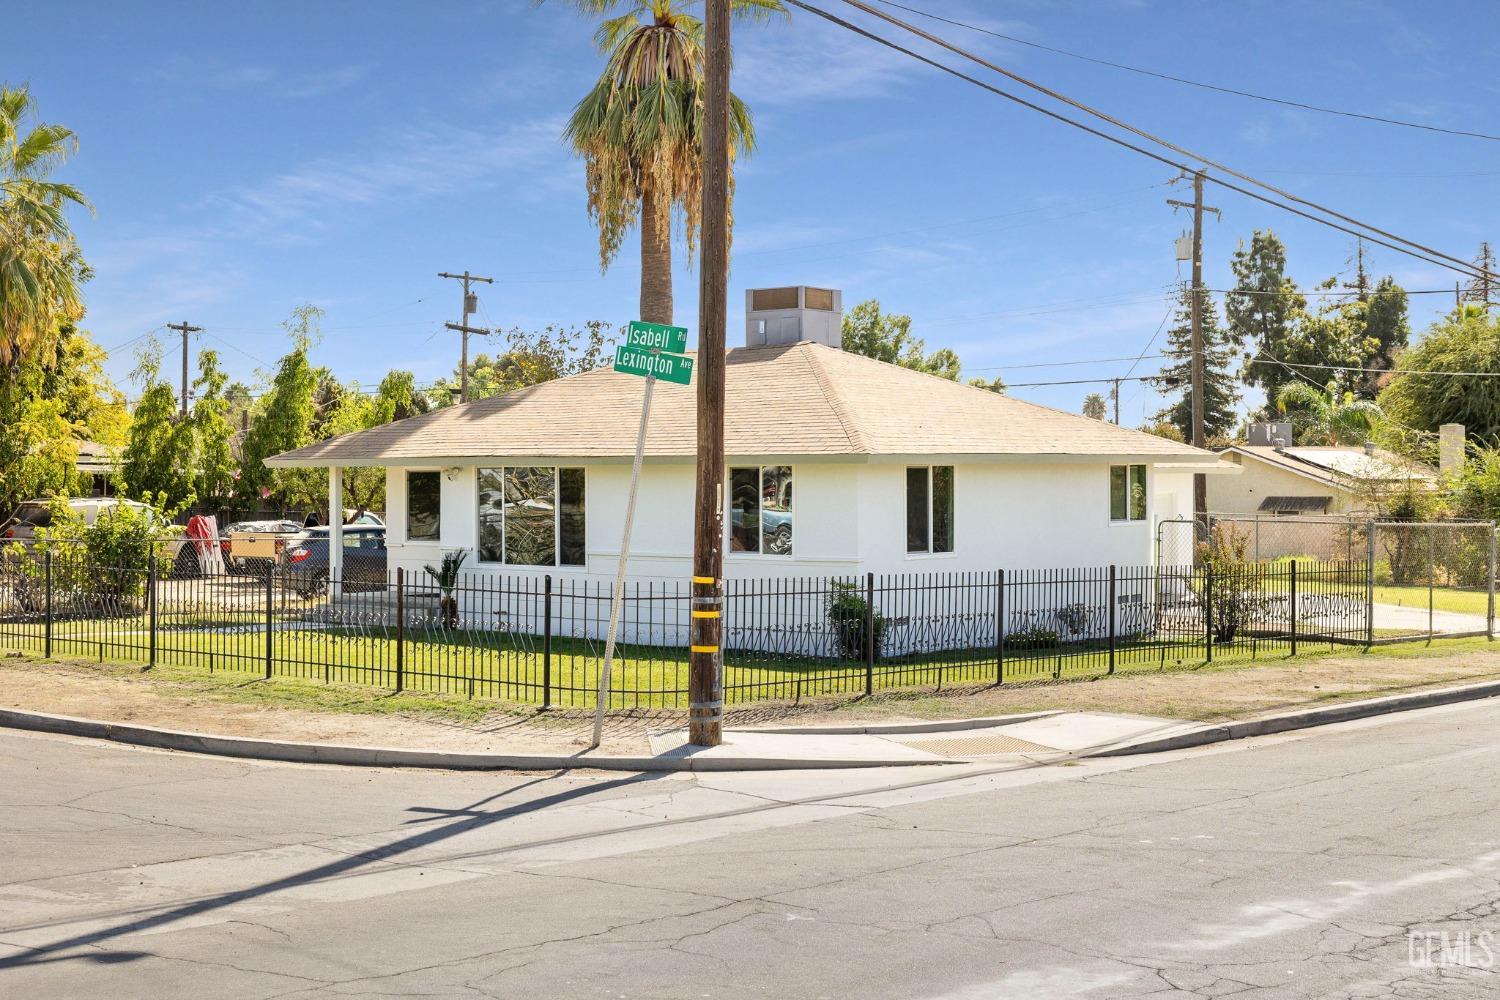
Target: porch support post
pixel 335 529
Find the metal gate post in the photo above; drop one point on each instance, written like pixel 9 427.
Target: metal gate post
pixel 1208 612
pixel 547 642
pixel 1489 615
pixel 869 633
pixel 1431 571
pixel 1112 605
pixel 1000 626
pixel 1370 584
pixel 151 608
pixel 400 628
pixel 1293 607
pixel 47 604
pixel 270 600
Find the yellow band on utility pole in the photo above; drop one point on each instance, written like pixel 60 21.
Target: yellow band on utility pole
pixel 704 649
pixel 705 614
pixel 705 579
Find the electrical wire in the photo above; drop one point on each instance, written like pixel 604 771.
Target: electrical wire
pixel 1303 106
pixel 1448 262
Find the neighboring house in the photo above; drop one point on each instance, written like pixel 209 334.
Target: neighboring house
pixel 895 471
pixel 96 465
pixel 1280 481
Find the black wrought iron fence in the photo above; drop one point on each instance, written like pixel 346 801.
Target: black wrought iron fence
pixel 539 639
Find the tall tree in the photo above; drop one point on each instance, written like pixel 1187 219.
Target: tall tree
pixel 639 131
pixel 1328 416
pixel 887 337
pixel 41 267
pixel 1220 388
pixel 158 456
pixel 1451 375
pixel 530 357
pixel 214 465
pixel 1094 406
pixel 284 419
pixel 1263 309
pixel 1381 323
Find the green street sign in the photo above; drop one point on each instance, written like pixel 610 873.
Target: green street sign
pixel 657 336
pixel 667 367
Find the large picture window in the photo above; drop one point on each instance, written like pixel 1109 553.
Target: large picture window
pixel 531 516
pixel 929 508
pixel 760 509
pixel 423 507
pixel 1127 492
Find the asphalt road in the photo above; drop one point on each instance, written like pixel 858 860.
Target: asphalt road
pixel 1353 861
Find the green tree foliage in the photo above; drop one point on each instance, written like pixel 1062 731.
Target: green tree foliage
pixel 1328 416
pixel 214 464
pixel 1474 494
pixel 1465 342
pixel 1094 406
pixel 159 453
pixel 996 384
pixel 41 268
pixel 530 357
pixel 639 131
pixel 1384 329
pixel 284 419
pixel 887 337
pixel 1220 388
pixel 1263 308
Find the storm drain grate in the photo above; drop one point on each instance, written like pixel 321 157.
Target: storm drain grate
pixel 978 746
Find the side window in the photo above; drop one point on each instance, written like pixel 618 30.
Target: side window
pixel 929 508
pixel 1127 493
pixel 760 509
pixel 423 506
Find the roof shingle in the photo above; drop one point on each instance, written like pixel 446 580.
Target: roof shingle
pixel 801 399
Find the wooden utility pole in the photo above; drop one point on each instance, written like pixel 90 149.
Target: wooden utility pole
pixel 471 302
pixel 1200 482
pixel 184 329
pixel 1117 402
pixel 705 679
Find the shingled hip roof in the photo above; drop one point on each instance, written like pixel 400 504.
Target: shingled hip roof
pixel 804 399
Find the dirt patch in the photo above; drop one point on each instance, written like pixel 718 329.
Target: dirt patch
pixel 144 699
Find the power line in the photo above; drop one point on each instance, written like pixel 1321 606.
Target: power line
pixel 1427 254
pixel 1301 105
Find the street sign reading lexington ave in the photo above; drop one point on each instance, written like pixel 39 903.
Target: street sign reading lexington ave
pixel 657 336
pixel 667 367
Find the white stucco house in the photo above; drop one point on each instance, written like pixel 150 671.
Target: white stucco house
pixel 1291 480
pixel 837 465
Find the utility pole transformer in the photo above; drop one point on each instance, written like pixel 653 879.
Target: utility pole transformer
pixel 184 329
pixel 471 303
pixel 1200 482
pixel 705 677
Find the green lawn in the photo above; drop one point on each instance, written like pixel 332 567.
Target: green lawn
pixel 510 668
pixel 1468 602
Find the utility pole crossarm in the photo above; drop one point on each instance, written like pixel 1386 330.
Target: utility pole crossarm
pixel 471 303
pixel 185 329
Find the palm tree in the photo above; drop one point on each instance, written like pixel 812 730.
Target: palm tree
pixel 40 264
pixel 1326 416
pixel 639 131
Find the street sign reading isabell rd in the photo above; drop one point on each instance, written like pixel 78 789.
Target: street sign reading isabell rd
pixel 658 336
pixel 667 367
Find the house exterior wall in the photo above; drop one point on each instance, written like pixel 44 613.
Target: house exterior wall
pixel 848 519
pixel 1242 494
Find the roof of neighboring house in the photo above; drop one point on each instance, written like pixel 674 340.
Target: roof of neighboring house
pixel 1335 465
pixel 801 399
pixel 95 457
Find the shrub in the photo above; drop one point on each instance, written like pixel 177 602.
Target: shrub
pixel 1235 593
pixel 847 609
pixel 1032 637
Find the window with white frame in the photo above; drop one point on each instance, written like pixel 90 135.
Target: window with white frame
pixel 1127 492
pixel 531 516
pixel 423 506
pixel 760 509
pixel 929 508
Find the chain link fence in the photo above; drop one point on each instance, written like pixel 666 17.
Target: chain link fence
pixel 1426 578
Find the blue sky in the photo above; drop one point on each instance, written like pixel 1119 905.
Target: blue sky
pixel 246 158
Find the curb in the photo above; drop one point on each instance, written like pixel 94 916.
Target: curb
pixel 356 756
pixel 1307 719
pixel 898 728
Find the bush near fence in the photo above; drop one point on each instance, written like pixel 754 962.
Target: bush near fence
pixel 539 640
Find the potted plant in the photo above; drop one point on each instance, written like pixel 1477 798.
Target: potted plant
pixel 446 578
